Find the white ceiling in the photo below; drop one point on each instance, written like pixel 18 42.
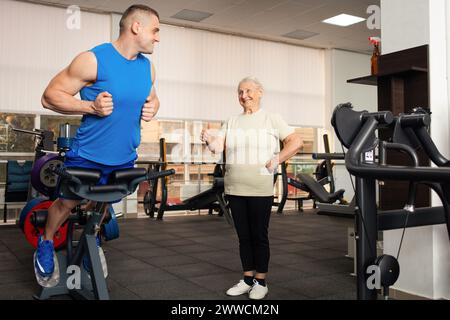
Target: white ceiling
pixel 266 19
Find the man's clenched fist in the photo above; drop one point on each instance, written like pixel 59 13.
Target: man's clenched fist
pixel 103 104
pixel 148 110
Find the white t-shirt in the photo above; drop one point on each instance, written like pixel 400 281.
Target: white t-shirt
pixel 251 140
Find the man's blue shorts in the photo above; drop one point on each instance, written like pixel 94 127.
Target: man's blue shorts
pixel 73 160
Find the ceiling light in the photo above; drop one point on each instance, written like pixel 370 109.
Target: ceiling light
pixel 343 20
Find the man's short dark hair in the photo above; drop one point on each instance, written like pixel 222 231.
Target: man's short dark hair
pixel 135 8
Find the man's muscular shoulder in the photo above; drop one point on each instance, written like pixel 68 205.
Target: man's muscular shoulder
pixel 84 66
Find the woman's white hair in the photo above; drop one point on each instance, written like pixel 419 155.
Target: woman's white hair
pixel 253 80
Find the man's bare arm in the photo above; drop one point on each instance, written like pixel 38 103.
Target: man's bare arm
pixel 59 94
pixel 153 95
pixel 151 105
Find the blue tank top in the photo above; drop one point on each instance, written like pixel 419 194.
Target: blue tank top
pixel 112 140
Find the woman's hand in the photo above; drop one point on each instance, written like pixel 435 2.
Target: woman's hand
pixel 205 136
pixel 272 164
pixel 215 143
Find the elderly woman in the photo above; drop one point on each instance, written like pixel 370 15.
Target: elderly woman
pixel 251 142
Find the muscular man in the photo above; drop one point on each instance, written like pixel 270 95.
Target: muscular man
pixel 115 82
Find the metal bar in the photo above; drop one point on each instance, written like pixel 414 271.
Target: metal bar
pixel 366 226
pixel 395 219
pixel 284 182
pixel 328 156
pixel 328 163
pixel 97 276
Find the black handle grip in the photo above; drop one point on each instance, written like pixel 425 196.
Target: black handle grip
pixel 328 156
pixel 160 174
pixel 108 188
pixel 37 132
pixel 415 120
pixel 65 175
pixel 382 117
pixel 150 176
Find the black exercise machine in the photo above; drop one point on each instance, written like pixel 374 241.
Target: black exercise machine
pixel 356 131
pixel 316 190
pixel 212 199
pixel 313 186
pixel 330 207
pixel 82 183
pixel 47 169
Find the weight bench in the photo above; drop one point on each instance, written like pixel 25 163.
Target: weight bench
pixel 317 190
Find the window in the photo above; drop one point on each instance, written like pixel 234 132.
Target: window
pixel 52 123
pixel 300 163
pixel 308 136
pixel 182 141
pixel 12 141
pixel 192 160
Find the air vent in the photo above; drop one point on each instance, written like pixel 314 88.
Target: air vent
pixel 300 34
pixel 191 15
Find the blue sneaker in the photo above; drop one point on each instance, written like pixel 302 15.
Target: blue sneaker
pixel 43 261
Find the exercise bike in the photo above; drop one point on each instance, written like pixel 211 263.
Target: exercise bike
pixel 47 170
pixel 69 276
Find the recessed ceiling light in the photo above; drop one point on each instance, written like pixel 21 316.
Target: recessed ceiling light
pixel 343 20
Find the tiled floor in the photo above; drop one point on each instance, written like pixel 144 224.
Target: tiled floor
pixel 196 257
